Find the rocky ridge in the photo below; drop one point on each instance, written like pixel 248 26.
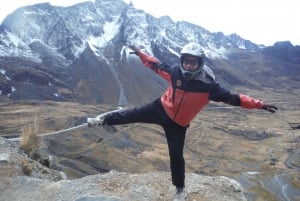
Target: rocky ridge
pixel 26 180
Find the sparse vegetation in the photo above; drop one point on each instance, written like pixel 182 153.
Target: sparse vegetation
pixel 30 142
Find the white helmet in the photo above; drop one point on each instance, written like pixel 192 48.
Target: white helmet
pixel 192 49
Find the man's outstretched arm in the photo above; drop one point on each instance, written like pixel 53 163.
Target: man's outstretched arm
pixel 221 94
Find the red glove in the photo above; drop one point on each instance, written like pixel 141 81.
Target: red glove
pixel 147 60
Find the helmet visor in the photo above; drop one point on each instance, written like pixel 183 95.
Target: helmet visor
pixel 190 63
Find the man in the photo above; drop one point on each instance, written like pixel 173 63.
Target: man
pixel 191 86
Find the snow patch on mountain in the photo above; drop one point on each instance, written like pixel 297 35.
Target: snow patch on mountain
pixel 220 52
pixel 173 51
pixel 111 29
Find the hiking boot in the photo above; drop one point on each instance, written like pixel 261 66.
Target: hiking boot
pixel 179 195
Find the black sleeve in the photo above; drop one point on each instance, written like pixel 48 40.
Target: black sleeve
pixel 162 66
pixel 221 94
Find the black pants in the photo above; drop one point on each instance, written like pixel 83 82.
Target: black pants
pixel 175 134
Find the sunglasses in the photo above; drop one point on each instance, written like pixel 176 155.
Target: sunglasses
pixel 192 62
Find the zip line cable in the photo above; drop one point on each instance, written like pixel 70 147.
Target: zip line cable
pixel 52 133
pixel 97 118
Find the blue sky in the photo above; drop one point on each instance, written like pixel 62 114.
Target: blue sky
pixel 261 21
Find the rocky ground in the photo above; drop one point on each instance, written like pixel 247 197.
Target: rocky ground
pixel 27 180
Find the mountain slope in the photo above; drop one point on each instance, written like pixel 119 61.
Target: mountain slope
pixel 80 53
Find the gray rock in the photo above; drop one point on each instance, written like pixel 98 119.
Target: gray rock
pixel 44 184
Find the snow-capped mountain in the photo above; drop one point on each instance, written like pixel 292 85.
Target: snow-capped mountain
pixel 79 52
pixel 66 32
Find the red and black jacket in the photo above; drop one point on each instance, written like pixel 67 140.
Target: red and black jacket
pixel 183 100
